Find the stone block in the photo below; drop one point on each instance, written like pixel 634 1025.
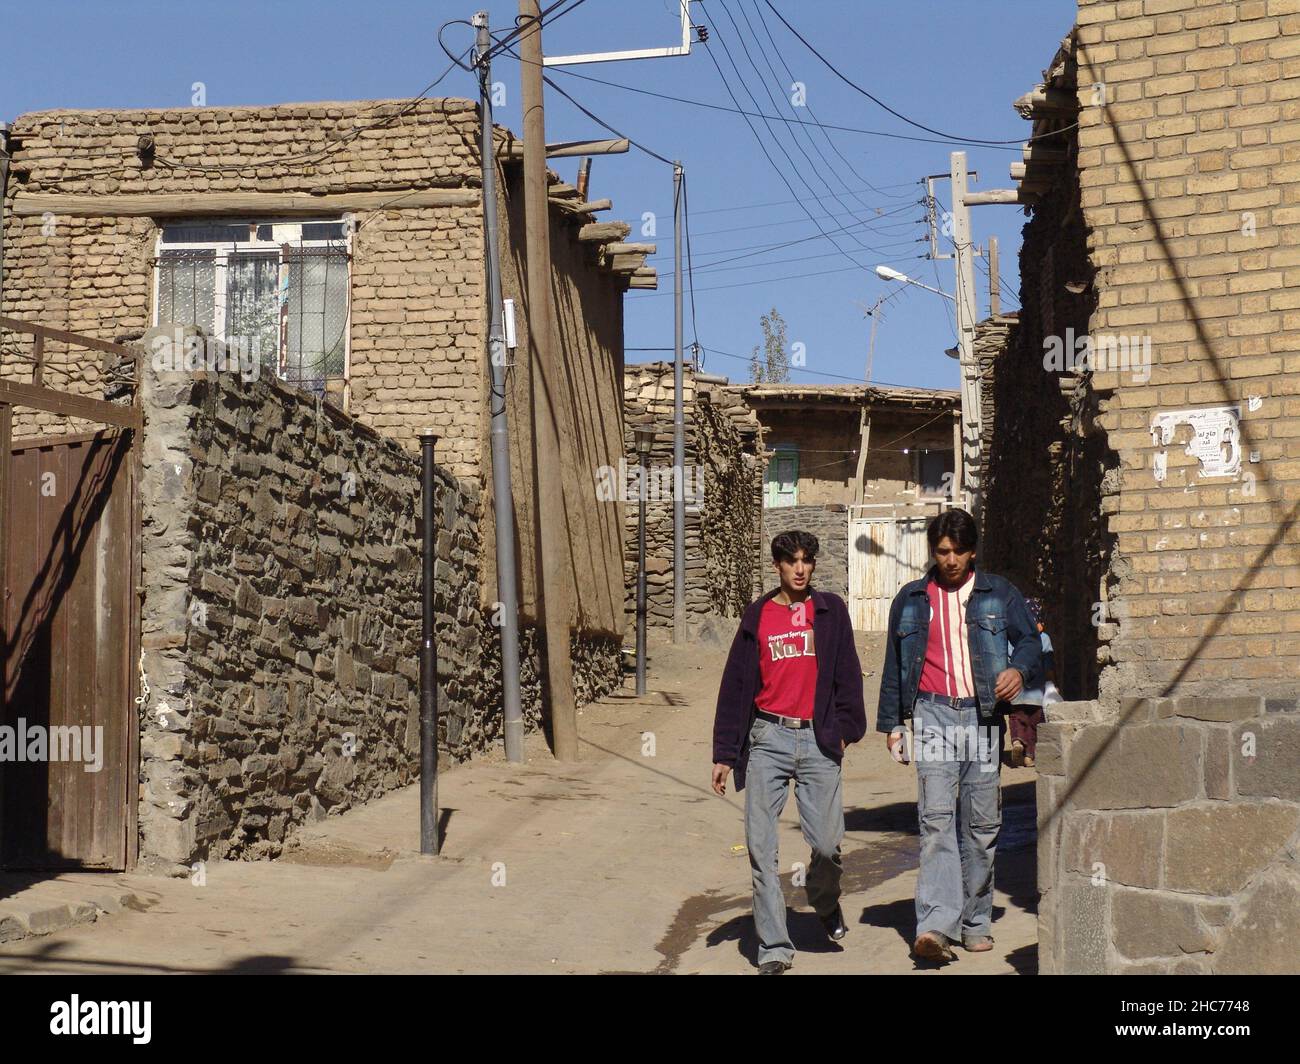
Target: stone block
pixel 1148 924
pixel 1218 708
pixel 1082 919
pixel 1274 770
pixel 1216 849
pixel 1126 845
pixel 1262 939
pixel 1136 767
pixel 1218 763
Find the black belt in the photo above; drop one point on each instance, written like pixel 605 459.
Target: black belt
pixel 951 701
pixel 784 721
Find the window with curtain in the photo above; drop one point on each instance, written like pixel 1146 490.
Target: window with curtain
pixel 280 290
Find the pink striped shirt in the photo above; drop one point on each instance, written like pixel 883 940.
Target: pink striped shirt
pixel 947 669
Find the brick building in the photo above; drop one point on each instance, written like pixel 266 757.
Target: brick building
pixel 337 251
pixel 1158 340
pixel 862 467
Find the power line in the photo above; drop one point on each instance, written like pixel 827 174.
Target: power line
pixel 758 13
pixel 762 146
pixel 738 110
pixel 782 203
pixel 898 114
pixel 769 280
pixel 790 130
pixel 762 248
pixel 821 373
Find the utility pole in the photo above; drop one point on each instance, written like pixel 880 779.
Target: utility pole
pixel 966 318
pixel 679 424
pixel 502 496
pixel 554 592
pixel 995 280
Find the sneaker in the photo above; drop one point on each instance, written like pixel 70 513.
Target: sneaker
pixel 977 943
pixel 1017 754
pixel 1029 761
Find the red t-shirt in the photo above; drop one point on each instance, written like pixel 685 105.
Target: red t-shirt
pixel 947 669
pixel 787 659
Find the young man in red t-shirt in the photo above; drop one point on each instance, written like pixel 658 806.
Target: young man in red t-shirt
pixel 789 703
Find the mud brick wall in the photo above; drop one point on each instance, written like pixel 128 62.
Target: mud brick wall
pixel 1168 844
pixel 830 524
pixel 417 273
pixel 724 480
pixel 1188 173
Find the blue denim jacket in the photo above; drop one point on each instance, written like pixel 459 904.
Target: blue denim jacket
pixel 1001 636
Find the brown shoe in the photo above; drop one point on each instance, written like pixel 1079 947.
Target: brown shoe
pixel 1017 754
pixel 1029 761
pixel 933 946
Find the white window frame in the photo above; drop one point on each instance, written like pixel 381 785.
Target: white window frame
pixel 284 231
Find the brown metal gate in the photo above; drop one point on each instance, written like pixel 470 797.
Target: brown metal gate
pixel 69 517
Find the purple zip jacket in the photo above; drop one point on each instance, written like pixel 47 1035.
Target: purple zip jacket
pixel 838 713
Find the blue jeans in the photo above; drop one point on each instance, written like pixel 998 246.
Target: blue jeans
pixel 959 805
pixel 778 755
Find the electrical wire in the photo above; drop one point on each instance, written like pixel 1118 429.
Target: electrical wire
pixel 789 130
pixel 738 110
pixel 763 147
pixel 758 14
pixel 980 141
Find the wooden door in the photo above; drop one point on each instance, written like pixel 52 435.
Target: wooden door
pixel 67 627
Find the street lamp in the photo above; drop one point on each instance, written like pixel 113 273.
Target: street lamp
pixel 886 274
pixel 645 438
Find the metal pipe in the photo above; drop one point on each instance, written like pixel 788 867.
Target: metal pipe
pixel 503 504
pixel 679 428
pixel 640 580
pixel 430 843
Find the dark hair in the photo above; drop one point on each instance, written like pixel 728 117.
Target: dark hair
pixel 957 525
pixel 786 544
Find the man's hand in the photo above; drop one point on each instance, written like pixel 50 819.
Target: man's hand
pixel 894 743
pixel 1008 685
pixel 720 774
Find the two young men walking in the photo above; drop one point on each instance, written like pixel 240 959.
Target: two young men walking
pixel 959 646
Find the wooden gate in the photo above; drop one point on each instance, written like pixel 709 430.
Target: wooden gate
pixel 68 631
pixel 886 550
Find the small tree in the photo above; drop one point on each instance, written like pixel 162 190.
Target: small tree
pixel 774 366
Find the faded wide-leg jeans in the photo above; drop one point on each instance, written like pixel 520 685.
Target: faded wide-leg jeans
pixel 777 755
pixel 959 805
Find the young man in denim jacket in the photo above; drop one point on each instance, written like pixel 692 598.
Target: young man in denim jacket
pixel 960 646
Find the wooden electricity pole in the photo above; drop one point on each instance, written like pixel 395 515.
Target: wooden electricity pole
pixel 554 592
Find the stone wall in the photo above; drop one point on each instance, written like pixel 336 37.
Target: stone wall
pixel 1167 842
pixel 723 476
pixel 281 617
pixel 830 524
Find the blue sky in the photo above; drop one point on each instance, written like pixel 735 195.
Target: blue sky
pixel 952 66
